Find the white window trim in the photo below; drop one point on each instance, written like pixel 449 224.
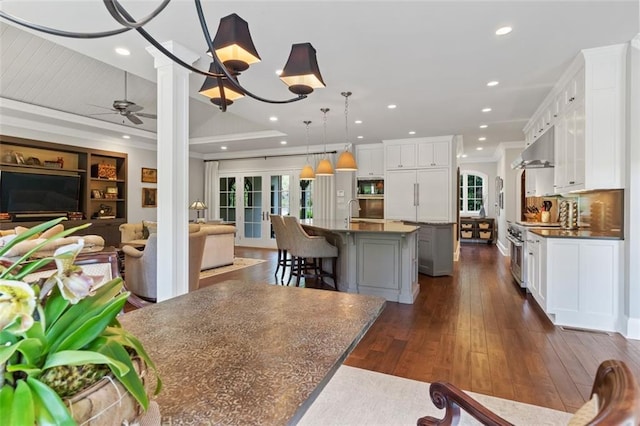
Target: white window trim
pixel 485 191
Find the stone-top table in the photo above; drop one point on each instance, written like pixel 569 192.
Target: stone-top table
pixel 246 353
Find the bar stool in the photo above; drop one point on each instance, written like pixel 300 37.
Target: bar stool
pixel 304 247
pixel 283 244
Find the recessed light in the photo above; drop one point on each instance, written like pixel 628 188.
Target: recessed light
pixel 278 72
pixel 358 121
pixel 412 132
pixel 123 51
pixel 483 126
pixel 283 142
pixel 360 137
pixel 464 155
pixel 486 109
pixel 503 30
pixel 273 118
pixel 126 137
pixel 482 138
pixel 479 148
pixel 392 106
pixel 493 83
pixel 223 148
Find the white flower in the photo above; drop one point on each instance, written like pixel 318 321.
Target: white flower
pixel 17 300
pixel 73 283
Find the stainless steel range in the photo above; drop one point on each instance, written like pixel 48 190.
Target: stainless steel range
pixel 516 235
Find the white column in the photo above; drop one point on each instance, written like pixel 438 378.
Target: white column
pixel 173 170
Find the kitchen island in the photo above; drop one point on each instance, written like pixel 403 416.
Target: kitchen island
pixel 377 258
pixel 245 353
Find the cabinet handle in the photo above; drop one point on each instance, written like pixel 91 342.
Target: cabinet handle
pixel 399 165
pixel 415 194
pixel 571 99
pixel 555 115
pixel 433 164
pixel 571 182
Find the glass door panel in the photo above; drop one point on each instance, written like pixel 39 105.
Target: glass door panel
pixel 253 209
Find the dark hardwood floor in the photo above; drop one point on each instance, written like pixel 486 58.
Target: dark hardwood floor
pixel 479 331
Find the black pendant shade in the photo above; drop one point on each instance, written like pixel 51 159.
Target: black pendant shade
pixel 301 73
pixel 233 44
pixel 211 88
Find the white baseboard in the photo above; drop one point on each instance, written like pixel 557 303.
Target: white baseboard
pixel 503 250
pixel 633 328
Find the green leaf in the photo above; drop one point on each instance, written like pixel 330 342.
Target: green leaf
pixel 81 358
pixel 83 310
pixel 131 381
pixel 7 351
pixel 55 306
pixel 33 267
pixel 92 328
pixel 29 370
pixel 127 339
pixel 49 407
pixel 22 408
pixel 6 400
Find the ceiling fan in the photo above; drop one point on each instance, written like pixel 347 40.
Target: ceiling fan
pixel 127 108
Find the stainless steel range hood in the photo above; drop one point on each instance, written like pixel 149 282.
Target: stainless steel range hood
pixel 539 154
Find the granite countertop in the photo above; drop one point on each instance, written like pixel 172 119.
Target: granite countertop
pixel 247 353
pixel 577 233
pixel 340 226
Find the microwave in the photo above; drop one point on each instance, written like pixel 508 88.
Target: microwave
pixel 369 188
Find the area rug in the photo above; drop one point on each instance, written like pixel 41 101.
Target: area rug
pixel 360 397
pixel 238 263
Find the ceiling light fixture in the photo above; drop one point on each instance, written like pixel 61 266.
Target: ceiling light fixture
pixel 360 137
pixel 392 106
pixel 307 171
pixel 123 51
pixel 464 155
pixel 273 118
pixel 482 138
pixel 483 126
pixel 283 142
pixel 126 137
pixel 358 121
pixel 479 148
pixel 493 83
pixel 232 51
pixel 412 132
pixel 486 109
pixel 346 160
pixel 503 31
pixel 324 167
pixel 224 148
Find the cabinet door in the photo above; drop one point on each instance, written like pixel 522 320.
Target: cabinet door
pixel 560 153
pixel 563 258
pixel 401 156
pixel 543 181
pixel 434 197
pixel 400 195
pixel 530 182
pixel 433 154
pixel 370 162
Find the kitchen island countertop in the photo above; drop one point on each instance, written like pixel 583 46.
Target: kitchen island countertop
pixel 360 226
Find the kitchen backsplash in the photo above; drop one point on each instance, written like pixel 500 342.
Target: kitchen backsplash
pixel 598 210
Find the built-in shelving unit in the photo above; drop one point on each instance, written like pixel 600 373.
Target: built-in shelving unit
pixel 103 182
pixel 479 229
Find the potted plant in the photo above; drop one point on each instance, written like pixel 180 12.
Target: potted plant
pixel 60 335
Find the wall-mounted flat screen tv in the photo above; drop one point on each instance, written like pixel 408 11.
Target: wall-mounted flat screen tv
pixel 38 193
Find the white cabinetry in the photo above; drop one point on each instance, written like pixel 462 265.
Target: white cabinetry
pixel 370 160
pixel 583 277
pixel 537 268
pixel 422 190
pixel 587 107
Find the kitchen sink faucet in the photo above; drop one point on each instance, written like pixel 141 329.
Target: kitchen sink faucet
pixel 349 209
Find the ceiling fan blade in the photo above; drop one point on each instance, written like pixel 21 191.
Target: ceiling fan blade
pixel 134 108
pixel 105 113
pixel 133 118
pixel 103 107
pixel 144 114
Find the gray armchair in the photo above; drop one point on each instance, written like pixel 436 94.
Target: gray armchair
pixel 141 266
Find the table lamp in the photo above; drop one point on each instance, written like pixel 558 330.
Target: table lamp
pixel 198 206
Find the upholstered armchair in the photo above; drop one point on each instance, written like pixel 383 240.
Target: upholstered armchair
pixel 140 267
pixel 615 400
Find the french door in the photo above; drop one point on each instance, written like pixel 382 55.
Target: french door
pixel 254 197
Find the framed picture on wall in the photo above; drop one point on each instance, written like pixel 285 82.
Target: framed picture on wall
pixel 149 175
pixel 149 197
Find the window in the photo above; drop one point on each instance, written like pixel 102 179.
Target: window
pixel 306 202
pixel 473 190
pixel 228 199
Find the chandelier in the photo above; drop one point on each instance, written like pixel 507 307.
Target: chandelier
pixel 232 51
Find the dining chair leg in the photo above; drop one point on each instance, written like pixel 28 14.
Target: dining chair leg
pixel 285 262
pixel 279 262
pixel 299 270
pixel 334 273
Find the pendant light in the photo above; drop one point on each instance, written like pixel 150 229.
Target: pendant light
pixel 346 161
pixel 307 171
pixel 324 167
